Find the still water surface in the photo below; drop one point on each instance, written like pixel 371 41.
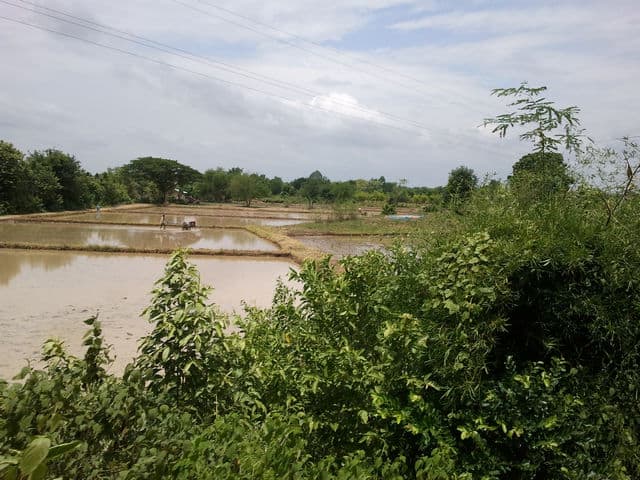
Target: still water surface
pixel 175 220
pixel 47 294
pixel 71 234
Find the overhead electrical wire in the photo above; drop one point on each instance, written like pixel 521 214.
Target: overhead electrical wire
pixel 212 77
pixel 243 72
pixel 312 42
pixel 319 45
pixel 221 65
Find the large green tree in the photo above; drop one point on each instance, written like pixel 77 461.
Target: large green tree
pixel 11 169
pixel 214 185
pixel 111 187
pixel 462 181
pixel 343 191
pixel 164 173
pixel 314 187
pixel 245 187
pixel 75 187
pixel 541 174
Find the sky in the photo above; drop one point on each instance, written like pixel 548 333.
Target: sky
pixel 353 88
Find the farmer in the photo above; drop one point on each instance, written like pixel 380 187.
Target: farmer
pixel 163 222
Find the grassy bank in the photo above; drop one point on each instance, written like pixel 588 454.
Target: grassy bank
pixel 288 246
pixel 378 225
pixel 163 251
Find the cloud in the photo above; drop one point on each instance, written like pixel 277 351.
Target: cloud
pixel 107 108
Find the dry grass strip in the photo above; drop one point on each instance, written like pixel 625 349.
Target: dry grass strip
pixel 298 251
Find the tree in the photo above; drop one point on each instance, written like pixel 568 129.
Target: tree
pixel 314 187
pixel 164 173
pixel 74 184
pixel 541 174
pixel 297 183
pixel 213 185
pixel 11 169
pixel 317 175
pixel 552 127
pixel 246 187
pixel 311 190
pixel 343 191
pixel 112 188
pixel 276 185
pixel 462 181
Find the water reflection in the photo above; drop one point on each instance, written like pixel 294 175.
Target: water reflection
pixel 124 236
pixel 175 220
pixel 46 294
pixel 12 262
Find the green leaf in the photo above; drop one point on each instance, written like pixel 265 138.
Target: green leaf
pixel 39 473
pixel 63 448
pixel 364 416
pixel 34 454
pixel 8 472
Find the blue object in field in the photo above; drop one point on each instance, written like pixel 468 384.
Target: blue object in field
pixel 403 217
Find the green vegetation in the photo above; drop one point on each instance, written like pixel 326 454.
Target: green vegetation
pixel 369 225
pixel 165 175
pixel 462 181
pixel 61 184
pixel 504 344
pixel 49 180
pixel 246 187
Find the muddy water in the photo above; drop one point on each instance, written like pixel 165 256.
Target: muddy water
pixel 49 293
pixel 341 246
pixel 230 211
pixel 175 220
pixel 131 236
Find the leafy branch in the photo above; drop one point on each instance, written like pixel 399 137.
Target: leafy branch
pixel 533 109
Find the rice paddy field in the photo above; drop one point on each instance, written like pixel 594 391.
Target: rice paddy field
pixel 57 269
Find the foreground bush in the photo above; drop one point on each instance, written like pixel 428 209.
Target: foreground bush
pixel 508 349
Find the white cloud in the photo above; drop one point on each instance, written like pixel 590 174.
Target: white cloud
pixel 107 108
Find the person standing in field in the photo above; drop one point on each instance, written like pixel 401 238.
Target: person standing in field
pixel 163 222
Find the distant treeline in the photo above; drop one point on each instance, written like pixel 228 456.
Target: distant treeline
pixel 52 180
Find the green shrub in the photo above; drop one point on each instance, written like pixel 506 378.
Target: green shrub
pixel 507 346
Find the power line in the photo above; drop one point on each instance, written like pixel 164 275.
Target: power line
pixel 456 138
pixel 287 42
pixel 246 73
pixel 317 44
pixel 293 45
pixel 231 68
pixel 195 72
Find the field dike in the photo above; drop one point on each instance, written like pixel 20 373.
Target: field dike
pixel 111 249
pixel 291 247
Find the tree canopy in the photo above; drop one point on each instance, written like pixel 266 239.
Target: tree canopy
pixel 245 187
pixel 11 168
pixel 164 173
pixel 461 182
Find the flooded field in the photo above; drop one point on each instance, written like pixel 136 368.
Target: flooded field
pixel 176 219
pixel 340 246
pixel 50 293
pixel 125 236
pixel 235 211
